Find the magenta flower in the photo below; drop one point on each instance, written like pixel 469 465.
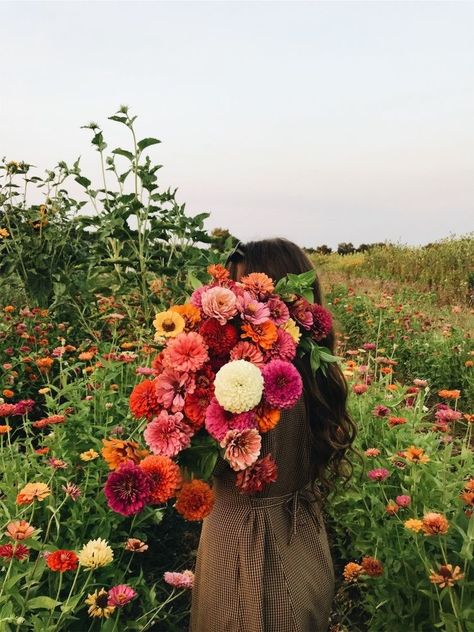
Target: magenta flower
pixel 403 500
pixel 322 322
pixel 120 595
pixel 302 313
pixel 127 489
pixel 380 411
pixel 251 310
pixel 242 447
pixel 284 347
pixel 279 312
pixel 445 415
pixel 282 384
pixel 172 387
pixel 378 474
pixel 179 580
pixel 219 421
pixel 167 434
pixel 187 353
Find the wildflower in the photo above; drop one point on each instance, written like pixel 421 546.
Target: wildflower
pixel 168 324
pixel 127 489
pixel 57 464
pixel 282 384
pixel 447 394
pixel 380 411
pixel 447 414
pixel 372 452
pixel 44 364
pixel 372 567
pixel 49 421
pixel 62 561
pixel 168 434
pixel 251 310
pixel 89 455
pixel 242 447
pixel 186 353
pixel 195 500
pixel 435 524
pixel 31 492
pixel 322 322
pixel 95 554
pixel 86 355
pixel 415 455
pixel 403 500
pixel 360 389
pixel 71 490
pixel 118 451
pixel 165 477
pixel 136 546
pixel 218 272
pixel 8 393
pixel 352 571
pixel 14 551
pixel 4 429
pixel 44 391
pixel 238 386
pixel 19 530
pixel 4 233
pixel 446 575
pixel 143 400
pixel 378 474
pixel 254 478
pixel 120 595
pixel 413 524
pixel 180 580
pixel 98 603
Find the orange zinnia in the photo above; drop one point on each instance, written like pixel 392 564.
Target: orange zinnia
pixel 266 417
pixel 218 272
pixel 195 500
pixel 416 455
pixel 117 451
pixel 435 524
pixel 190 313
pixel 44 364
pixel 352 570
pixel 263 335
pixel 143 401
pixel 165 475
pixel 446 394
pixel 5 429
pixel 372 567
pixel 32 491
pixel 258 284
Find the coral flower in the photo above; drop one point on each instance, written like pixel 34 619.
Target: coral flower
pixel 435 524
pixel 71 490
pixel 172 387
pixel 218 272
pixel 165 477
pixel 378 474
pixel 219 421
pixel 396 421
pixel 258 284
pixel 186 353
pixel 263 335
pixel 372 452
pixel 392 508
pixel 372 567
pixel 301 312
pixel 266 417
pixel 403 500
pixel 446 576
pixel 136 546
pixel 195 500
pixel 352 571
pixel 238 386
pixel 95 554
pixel 219 303
pixel 118 451
pixel 282 384
pixel 5 429
pixel 279 312
pixel 413 524
pixel 254 478
pixel 31 492
pixel 249 352
pixel 14 551
pixel 195 406
pixel 251 310
pixel 168 324
pixel 179 580
pixel 62 561
pixel 447 394
pixel 168 434
pixel 19 530
pixel 143 400
pixel 128 489
pixel 242 447
pixel 284 347
pixel 121 595
pixel 98 603
pixel 416 455
pixel 360 389
pixel 219 338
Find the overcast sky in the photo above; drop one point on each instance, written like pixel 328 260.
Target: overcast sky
pixel 320 121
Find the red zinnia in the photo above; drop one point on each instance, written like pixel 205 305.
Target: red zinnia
pixel 17 551
pixel 254 478
pixel 62 561
pixel 219 338
pixel 195 406
pixel 195 500
pixel 143 400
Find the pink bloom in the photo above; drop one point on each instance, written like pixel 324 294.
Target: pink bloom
pixel 403 500
pixel 120 595
pixel 279 312
pixel 57 464
pixel 242 447
pixel 284 347
pixel 247 351
pixel 7 410
pixel 302 313
pixel 369 346
pixel 282 384
pixel 58 352
pixel 167 434
pixel 372 452
pixel 360 389
pixel 444 415
pixel 251 310
pixel 179 580
pixel 420 383
pixel 127 489
pixel 380 411
pixel 254 478
pixel 219 421
pixel 24 406
pixel 322 322
pixel 219 303
pixel 186 353
pixel 144 370
pixel 378 474
pixel 171 388
pixel 71 490
pixel 196 296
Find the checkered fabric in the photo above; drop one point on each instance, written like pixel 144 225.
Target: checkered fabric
pixel 263 562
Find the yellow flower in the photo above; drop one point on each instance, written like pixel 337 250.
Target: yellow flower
pixel 4 233
pixel 413 524
pixel 89 455
pixel 416 455
pixel 31 492
pixel 292 328
pixel 96 553
pixel 168 324
pixel 98 604
pixel 43 391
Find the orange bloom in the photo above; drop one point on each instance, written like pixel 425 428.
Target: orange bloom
pixel 413 524
pixel 165 475
pixel 19 530
pixel 392 387
pixel 416 455
pixel 469 363
pixel 435 524
pixel 396 421
pixel 351 572
pixel 44 364
pixel 469 418
pixel 372 567
pixel 446 394
pixel 266 417
pixel 386 370
pixel 8 393
pixel 263 335
pixel 143 401
pixel 9 309
pixel 195 500
pixel 258 284
pixel 116 452
pixel 42 450
pixel 190 313
pixel 5 429
pixel 446 576
pixel 468 497
pixel 218 272
pixel 32 491
pixel 392 508
pixel 469 486
pixel 86 355
pixel 62 561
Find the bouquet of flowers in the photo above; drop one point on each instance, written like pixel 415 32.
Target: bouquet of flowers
pixel 221 379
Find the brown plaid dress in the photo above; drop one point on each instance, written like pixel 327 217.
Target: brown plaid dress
pixel 263 562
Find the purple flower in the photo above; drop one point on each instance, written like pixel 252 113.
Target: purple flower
pixel 322 322
pixel 282 384
pixel 127 489
pixel 378 474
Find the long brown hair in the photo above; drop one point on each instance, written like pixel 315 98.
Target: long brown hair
pixel 332 428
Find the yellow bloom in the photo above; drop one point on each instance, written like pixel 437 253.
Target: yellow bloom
pixel 96 553
pixel 98 604
pixel 89 455
pixel 292 328
pixel 4 233
pixel 413 524
pixel 168 324
pixel 43 391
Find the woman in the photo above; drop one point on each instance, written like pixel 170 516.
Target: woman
pixel 263 562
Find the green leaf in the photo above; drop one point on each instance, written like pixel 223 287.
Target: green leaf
pixel 42 602
pixel 147 142
pixel 124 152
pixel 85 182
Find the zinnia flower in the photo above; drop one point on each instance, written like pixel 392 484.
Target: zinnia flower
pixel 62 561
pixel 89 455
pixel 352 571
pixel 372 452
pixel 360 389
pixel 415 455
pixel 238 386
pixel 279 312
pixel 171 388
pixel 179 580
pixel 249 352
pixel 118 451
pixel 98 603
pixel 378 474
pixel 266 417
pixel 391 508
pixel 195 406
pixel 283 384
pixel 396 421
pixel 190 313
pixel 301 312
pixel 14 551
pixel 121 595
pixel 127 489
pixel 186 353
pixel 219 421
pixel 251 310
pixel 31 492
pixel 219 338
pixel 96 553
pixel 136 546
pixel 254 478
pixel 380 411
pixel 446 576
pixel 71 490
pixel 372 567
pixel 19 530
pixel 292 328
pixel 167 434
pixel 258 284
pixel 403 500
pixel 322 322
pixel 143 400
pixel 284 347
pixel 413 524
pixel 435 524
pixel 168 324
pixel 195 500
pixel 219 303
pixel 263 335
pixel 242 447
pixel 165 477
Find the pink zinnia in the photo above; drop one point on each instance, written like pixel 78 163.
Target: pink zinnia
pixel 282 384
pixel 403 501
pixel 242 447
pixel 380 411
pixel 71 490
pixel 144 370
pixel 251 310
pixel 219 303
pixel 254 478
pixel 24 406
pixel 127 489
pixel 284 347
pixel 179 580
pixel 279 312
pixel 172 387
pixel 247 351
pixel 369 346
pixel 167 434
pixel 196 296
pixel 372 452
pixel 186 353
pixel 445 415
pixel 120 595
pixel 360 389
pixel 378 474
pixel 302 313
pixel 322 322
pixel 219 421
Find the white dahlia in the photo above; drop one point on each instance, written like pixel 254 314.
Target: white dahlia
pixel 238 386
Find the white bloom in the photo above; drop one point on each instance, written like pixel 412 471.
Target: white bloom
pixel 238 386
pixel 96 553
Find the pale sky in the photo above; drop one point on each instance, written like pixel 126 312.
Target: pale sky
pixel 322 122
